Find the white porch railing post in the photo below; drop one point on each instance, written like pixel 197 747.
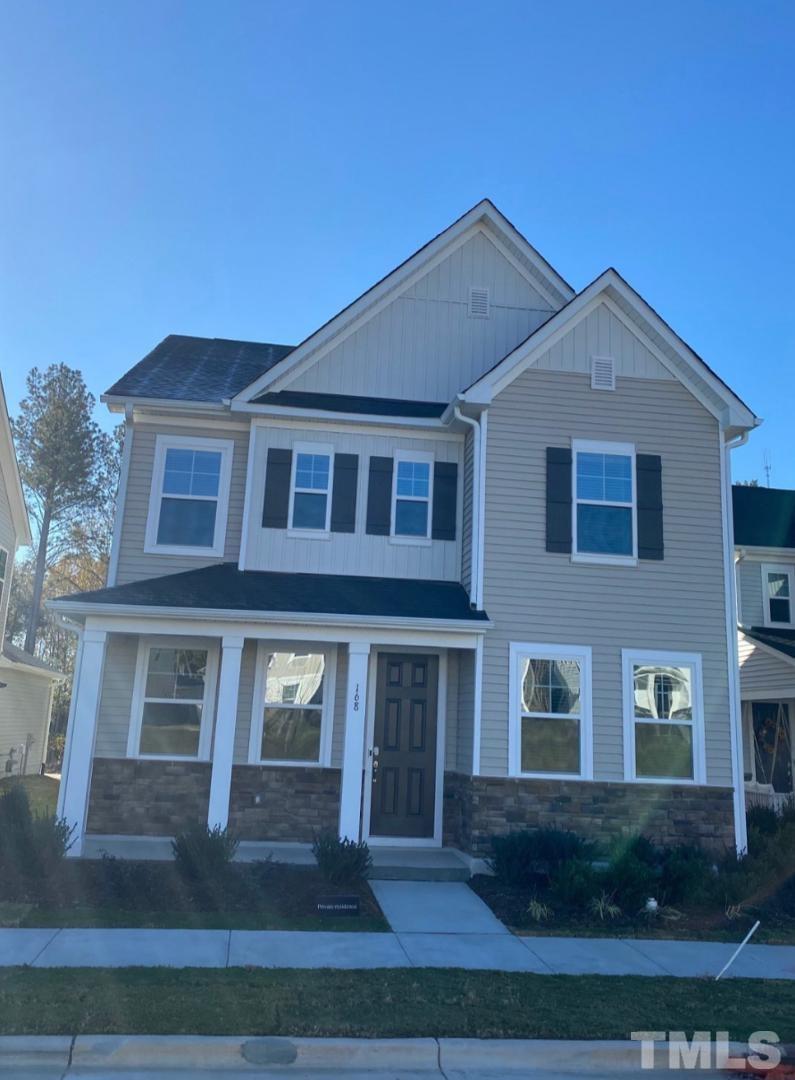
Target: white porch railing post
pixel 87 687
pixel 353 750
pixel 224 741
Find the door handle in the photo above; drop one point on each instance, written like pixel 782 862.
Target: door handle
pixel 374 755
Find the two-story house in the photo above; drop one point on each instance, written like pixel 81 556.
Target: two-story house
pixel 459 562
pixel 26 683
pixel 764 535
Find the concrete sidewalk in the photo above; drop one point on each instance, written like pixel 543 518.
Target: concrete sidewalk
pixel 305 949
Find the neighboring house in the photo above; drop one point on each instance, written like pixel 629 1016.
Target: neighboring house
pixel 764 535
pixel 26 696
pixel 460 562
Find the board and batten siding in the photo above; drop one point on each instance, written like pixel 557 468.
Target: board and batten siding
pixel 423 345
pixel 135 563
pixel 357 552
pixel 25 711
pixel 750 595
pixel 764 674
pixel 531 595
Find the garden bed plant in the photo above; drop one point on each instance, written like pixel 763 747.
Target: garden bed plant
pixel 201 888
pixel 557 883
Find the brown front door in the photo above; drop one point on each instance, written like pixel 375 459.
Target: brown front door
pixel 404 746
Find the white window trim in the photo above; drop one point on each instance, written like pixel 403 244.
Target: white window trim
pixel 163 443
pixel 778 568
pixel 630 657
pixel 264 649
pixel 425 457
pixel 520 650
pixel 588 446
pixel 311 448
pixel 145 645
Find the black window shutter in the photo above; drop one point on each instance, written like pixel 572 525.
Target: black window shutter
pixel 559 499
pixel 379 496
pixel 648 468
pixel 343 499
pixel 445 497
pixel 277 489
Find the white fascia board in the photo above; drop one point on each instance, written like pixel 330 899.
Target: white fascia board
pixel 484 217
pixel 291 413
pixel 120 402
pixel 10 470
pixel 733 414
pixel 29 669
pixel 200 616
pixel 354 426
pixel 764 554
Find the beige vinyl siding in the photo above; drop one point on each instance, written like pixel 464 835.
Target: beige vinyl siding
pixel 423 345
pixel 602 333
pixel 134 562
pixel 8 540
pixel 763 673
pixel 357 552
pixel 24 711
pixel 534 596
pixel 750 594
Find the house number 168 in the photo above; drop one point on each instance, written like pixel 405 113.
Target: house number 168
pixel 356 699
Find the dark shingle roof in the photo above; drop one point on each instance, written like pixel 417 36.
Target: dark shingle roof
pixel 225 588
pixel 198 369
pixel 26 659
pixel 764 517
pixel 349 403
pixel 782 641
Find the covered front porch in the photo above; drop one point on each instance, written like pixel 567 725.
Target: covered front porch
pixel 767 686
pixel 279 727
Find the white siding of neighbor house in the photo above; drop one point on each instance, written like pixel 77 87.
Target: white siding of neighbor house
pixel 423 345
pixel 763 673
pixel 134 562
pixel 531 595
pixel 24 710
pixel 8 540
pixel 357 552
pixel 750 597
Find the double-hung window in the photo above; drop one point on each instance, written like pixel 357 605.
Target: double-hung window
pixel 412 494
pixel 550 711
pixel 663 717
pixel 310 491
pixel 778 594
pixel 190 494
pixel 174 687
pixel 293 707
pixel 604 505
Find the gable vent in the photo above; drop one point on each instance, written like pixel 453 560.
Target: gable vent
pixel 603 373
pixel 478 303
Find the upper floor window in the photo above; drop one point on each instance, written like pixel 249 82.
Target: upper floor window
pixel 779 594
pixel 664 716
pixel 293 706
pixel 171 702
pixel 310 491
pixel 412 494
pixel 550 711
pixel 189 497
pixel 604 507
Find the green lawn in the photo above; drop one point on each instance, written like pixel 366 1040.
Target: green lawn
pixel 42 791
pixel 383 1003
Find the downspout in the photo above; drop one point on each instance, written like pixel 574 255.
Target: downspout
pixel 735 711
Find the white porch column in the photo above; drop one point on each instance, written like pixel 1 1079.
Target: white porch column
pixel 76 778
pixel 224 741
pixel 353 750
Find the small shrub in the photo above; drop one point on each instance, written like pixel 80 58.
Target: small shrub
pixel 603 907
pixel 762 819
pixel 573 883
pixel 32 847
pixel 538 911
pixel 342 862
pixel 528 857
pixel 633 873
pixel 685 874
pixel 203 854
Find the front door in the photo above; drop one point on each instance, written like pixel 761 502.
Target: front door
pixel 773 745
pixel 404 746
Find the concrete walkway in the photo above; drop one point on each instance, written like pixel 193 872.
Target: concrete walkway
pixel 434 924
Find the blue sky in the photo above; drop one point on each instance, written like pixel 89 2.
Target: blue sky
pixel 245 169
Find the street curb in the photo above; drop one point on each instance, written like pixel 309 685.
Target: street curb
pixel 259 1054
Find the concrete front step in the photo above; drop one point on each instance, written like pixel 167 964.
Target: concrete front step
pixel 418 864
